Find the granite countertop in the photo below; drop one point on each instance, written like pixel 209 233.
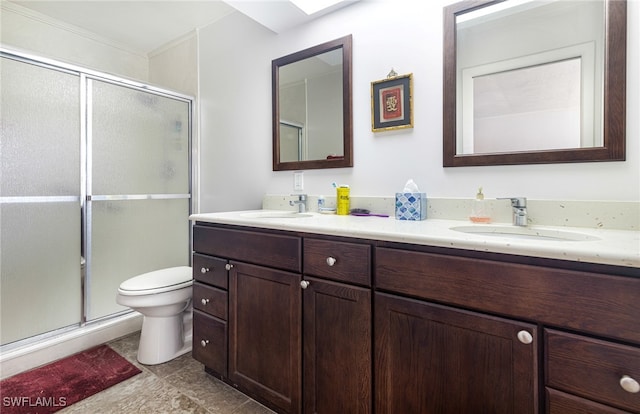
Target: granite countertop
pixel 612 247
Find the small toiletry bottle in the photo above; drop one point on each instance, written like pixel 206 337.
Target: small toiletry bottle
pixel 479 213
pixel 321 205
pixel 342 200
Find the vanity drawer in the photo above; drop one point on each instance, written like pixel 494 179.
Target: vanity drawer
pixel 592 368
pixel 605 305
pixel 560 403
pixel 210 270
pixel 210 342
pixel 343 261
pixel 210 300
pixel 255 247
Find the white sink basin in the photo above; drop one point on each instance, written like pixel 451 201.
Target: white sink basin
pixel 275 214
pixel 529 233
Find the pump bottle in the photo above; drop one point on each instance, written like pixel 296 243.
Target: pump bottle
pixel 479 213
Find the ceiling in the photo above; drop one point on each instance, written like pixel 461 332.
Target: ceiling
pixel 145 26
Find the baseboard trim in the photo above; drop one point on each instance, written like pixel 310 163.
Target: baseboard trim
pixel 34 355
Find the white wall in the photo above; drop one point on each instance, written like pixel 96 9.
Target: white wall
pixel 235 98
pixel 235 57
pixel 235 113
pixel 175 66
pixel 26 30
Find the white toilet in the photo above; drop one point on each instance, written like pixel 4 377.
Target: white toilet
pixel 163 297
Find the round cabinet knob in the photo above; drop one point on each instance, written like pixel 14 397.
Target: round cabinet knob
pixel 304 284
pixel 525 337
pixel 204 342
pixel 204 270
pixel 228 266
pixel 331 261
pixel 629 384
pixel 204 301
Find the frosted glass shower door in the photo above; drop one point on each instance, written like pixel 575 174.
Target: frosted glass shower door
pixel 40 220
pixel 138 188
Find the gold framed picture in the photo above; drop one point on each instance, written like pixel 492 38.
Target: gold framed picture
pixel 392 103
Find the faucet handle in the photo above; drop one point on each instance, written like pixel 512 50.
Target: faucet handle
pixel 301 197
pixel 516 202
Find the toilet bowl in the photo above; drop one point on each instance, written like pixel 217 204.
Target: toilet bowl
pixel 163 297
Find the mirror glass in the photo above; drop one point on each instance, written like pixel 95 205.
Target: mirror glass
pixel 534 82
pixel 312 108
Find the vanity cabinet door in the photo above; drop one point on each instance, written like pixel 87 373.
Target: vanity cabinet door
pixel 265 344
pixel 337 348
pixel 436 359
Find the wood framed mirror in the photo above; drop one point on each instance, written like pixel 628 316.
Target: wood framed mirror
pixel 312 107
pixel 567 57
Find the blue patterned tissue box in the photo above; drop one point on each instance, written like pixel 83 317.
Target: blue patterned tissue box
pixel 411 206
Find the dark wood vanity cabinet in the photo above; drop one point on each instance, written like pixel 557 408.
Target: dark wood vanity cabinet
pixel 436 359
pixel 337 327
pixel 474 312
pixel 210 298
pixel 587 374
pixel 265 345
pixel 262 338
pixel 286 328
pixel 322 324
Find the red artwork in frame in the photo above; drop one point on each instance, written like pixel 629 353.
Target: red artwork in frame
pixel 391 105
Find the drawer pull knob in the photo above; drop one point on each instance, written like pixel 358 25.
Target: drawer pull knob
pixel 629 384
pixel 525 337
pixel 331 261
pixel 204 270
pixel 228 266
pixel 304 284
pixel 204 301
pixel 204 342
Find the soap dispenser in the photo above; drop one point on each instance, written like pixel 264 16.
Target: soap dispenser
pixel 479 213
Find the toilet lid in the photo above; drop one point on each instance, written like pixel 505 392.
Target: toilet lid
pixel 163 279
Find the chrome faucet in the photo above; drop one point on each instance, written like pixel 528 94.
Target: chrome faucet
pixel 519 205
pixel 301 202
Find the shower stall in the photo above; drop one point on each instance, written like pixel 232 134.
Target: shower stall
pixel 95 188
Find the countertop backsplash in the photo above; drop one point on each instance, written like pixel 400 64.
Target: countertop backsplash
pixel 612 215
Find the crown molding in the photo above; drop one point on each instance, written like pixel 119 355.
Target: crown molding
pixel 8 6
pixel 169 45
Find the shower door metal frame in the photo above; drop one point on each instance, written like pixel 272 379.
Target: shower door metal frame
pixel 89 197
pixel 86 77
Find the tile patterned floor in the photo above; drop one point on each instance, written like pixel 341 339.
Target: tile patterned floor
pixel 178 386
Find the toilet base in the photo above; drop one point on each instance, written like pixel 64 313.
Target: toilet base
pixel 156 347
